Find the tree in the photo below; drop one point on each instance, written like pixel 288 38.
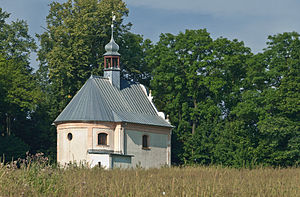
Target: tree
pixel 19 93
pixel 15 73
pixel 196 80
pixel 280 123
pixel 229 106
pixel 15 42
pixel 133 50
pixel 268 111
pixel 12 148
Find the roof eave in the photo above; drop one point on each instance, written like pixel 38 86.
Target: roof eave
pixel 55 123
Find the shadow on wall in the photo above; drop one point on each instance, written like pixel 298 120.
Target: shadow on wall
pixel 121 161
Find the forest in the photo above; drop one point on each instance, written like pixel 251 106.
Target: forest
pixel 228 105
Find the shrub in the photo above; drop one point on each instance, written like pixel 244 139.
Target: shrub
pixel 12 147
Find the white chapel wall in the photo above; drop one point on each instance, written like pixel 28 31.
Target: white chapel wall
pixel 74 150
pixel 104 159
pixel 125 139
pixel 156 156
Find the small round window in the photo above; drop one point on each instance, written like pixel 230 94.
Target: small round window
pixel 70 136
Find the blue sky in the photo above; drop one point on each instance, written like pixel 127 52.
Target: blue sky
pixel 250 21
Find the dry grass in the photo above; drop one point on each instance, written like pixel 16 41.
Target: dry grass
pixel 187 181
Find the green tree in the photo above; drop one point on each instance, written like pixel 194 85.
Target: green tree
pixel 196 80
pixel 279 124
pixel 15 73
pixel 229 106
pixel 12 148
pixel 15 42
pixel 19 91
pixel 268 111
pixel 133 50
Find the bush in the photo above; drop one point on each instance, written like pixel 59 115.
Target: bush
pixel 12 147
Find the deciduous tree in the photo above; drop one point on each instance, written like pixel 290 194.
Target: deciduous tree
pixel 197 80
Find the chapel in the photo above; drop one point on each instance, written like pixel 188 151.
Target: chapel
pixel 112 122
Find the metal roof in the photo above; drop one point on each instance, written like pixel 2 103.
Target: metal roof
pixel 99 100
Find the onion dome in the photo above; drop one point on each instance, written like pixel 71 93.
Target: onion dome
pixel 112 48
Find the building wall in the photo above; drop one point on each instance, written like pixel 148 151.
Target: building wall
pixel 85 136
pixel 158 153
pixel 119 161
pixel 104 159
pixel 119 139
pixel 123 139
pixel 72 150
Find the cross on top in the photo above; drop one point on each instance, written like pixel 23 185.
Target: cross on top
pixel 112 23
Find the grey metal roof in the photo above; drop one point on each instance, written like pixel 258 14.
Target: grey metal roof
pixel 99 100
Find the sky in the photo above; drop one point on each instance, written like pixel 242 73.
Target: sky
pixel 250 21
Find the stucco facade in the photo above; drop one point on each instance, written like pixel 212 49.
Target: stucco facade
pixel 159 151
pixel 124 145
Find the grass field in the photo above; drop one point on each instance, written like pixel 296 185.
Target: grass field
pixel 175 181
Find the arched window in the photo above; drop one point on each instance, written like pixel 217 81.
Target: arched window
pixel 145 144
pixel 102 139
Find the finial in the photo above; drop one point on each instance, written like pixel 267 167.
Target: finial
pixel 113 18
pixel 112 47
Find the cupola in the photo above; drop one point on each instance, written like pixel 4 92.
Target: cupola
pixel 112 60
pixel 112 48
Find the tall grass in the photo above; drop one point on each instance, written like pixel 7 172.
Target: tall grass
pixel 187 181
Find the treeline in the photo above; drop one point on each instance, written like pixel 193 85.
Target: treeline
pixel 228 105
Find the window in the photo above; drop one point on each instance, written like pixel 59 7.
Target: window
pixel 70 136
pixel 102 139
pixel 145 144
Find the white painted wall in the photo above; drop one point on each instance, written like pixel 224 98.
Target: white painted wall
pixel 123 141
pixel 155 157
pixel 103 158
pixel 74 150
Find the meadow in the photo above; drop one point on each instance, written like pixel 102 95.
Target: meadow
pixel 48 180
